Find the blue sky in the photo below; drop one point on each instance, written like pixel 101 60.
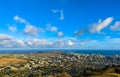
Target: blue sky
pixel 82 24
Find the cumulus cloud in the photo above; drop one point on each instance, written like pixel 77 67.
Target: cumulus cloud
pixel 21 43
pixel 31 30
pixel 52 28
pixel 97 27
pixel 19 19
pixel 6 43
pixel 61 43
pixel 70 43
pixel 51 43
pixel 6 40
pixel 37 42
pixel 60 34
pixel 116 26
pixel 12 29
pixel 9 41
pixel 57 43
pixel 5 37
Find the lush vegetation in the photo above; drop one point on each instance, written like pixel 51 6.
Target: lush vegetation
pixel 61 72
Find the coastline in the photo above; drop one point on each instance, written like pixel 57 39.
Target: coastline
pixel 101 52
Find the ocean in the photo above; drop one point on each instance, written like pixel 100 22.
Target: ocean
pixel 102 52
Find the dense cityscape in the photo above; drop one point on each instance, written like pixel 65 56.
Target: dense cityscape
pixel 59 64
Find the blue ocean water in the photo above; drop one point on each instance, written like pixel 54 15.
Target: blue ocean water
pixel 102 52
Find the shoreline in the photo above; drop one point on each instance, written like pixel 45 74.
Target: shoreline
pixel 97 52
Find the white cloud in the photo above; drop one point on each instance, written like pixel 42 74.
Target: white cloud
pixel 37 42
pixel 5 37
pixel 9 41
pixel 52 28
pixel 61 15
pixel 55 11
pixel 97 27
pixel 31 30
pixel 12 29
pixel 6 43
pixel 61 12
pixel 19 19
pixel 79 32
pixel 51 43
pixel 60 34
pixel 70 43
pixel 61 43
pixel 5 40
pixel 21 43
pixel 116 26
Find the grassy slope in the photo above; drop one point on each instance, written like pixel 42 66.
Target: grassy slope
pixel 109 73
pixel 7 61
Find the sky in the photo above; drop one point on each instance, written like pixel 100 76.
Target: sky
pixel 71 24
